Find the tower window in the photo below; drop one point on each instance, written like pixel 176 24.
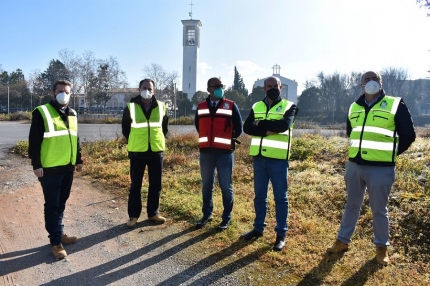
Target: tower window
pixel 191 36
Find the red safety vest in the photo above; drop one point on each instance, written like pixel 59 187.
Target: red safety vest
pixel 216 131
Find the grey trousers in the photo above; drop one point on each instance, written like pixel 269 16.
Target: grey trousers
pixel 378 181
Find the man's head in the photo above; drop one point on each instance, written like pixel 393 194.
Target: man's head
pixel 61 92
pixel 371 82
pixel 215 88
pixel 272 87
pixel 146 88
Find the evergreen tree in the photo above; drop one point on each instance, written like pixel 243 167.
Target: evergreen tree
pixel 238 84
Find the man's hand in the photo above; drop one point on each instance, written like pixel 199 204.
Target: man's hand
pixel 38 172
pixel 79 167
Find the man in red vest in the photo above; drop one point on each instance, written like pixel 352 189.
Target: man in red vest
pixel 219 123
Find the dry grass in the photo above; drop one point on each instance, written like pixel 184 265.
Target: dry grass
pixel 316 198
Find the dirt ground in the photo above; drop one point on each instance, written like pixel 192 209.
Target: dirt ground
pixel 106 253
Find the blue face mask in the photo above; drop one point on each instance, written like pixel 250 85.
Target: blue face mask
pixel 219 93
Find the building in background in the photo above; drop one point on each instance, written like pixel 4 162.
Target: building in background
pixel 289 87
pixel 191 45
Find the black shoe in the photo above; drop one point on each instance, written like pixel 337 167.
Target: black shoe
pixel 253 234
pixel 280 243
pixel 224 224
pixel 201 223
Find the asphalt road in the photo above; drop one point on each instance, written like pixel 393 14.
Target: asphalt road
pixel 12 131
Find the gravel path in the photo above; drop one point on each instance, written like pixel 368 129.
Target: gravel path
pixel 107 253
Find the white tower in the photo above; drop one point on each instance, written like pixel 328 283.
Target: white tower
pixel 191 44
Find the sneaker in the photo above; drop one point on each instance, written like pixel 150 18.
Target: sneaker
pixel 59 251
pixel 253 234
pixel 280 243
pixel 382 256
pixel 338 246
pixel 68 239
pixel 158 219
pixel 201 223
pixel 132 222
pixel 224 224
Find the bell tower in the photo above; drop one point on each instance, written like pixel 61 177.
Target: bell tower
pixel 191 45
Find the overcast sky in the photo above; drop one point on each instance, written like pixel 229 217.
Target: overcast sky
pixel 304 37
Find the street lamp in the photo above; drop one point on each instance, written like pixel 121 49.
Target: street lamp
pixel 7 94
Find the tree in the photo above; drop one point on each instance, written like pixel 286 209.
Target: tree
pixel 238 84
pixel 19 94
pixel 55 71
pixel 162 80
pixel 257 95
pixel 109 76
pixel 72 64
pixel 198 97
pixel 238 98
pixel 309 101
pixel 185 107
pixel 424 4
pixel 87 71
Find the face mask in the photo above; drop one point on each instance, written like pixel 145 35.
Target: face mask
pixel 371 87
pixel 219 93
pixel 146 94
pixel 273 93
pixel 63 98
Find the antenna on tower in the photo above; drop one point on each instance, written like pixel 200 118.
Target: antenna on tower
pixel 191 13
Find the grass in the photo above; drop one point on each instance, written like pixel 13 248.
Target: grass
pixel 316 199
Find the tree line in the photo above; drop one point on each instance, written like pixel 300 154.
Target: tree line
pixel 325 100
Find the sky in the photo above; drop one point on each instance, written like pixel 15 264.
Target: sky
pixel 304 37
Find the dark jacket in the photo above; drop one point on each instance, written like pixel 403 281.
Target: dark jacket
pixel 237 126
pixel 126 127
pixel 404 128
pixel 270 125
pixel 35 138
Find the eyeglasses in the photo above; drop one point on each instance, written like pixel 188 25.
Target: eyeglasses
pixel 216 86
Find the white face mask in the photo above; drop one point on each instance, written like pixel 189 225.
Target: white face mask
pixel 145 94
pixel 371 87
pixel 63 98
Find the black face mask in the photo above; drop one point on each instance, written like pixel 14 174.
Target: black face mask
pixel 273 93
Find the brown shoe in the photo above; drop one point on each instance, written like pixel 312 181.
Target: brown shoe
pixel 157 219
pixel 382 255
pixel 59 251
pixel 132 222
pixel 338 246
pixel 68 239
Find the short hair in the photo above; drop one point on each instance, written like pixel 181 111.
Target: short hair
pixel 278 81
pixel 377 74
pixel 147 80
pixel 212 78
pixel 62 82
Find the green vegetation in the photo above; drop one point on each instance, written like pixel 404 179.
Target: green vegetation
pixel 316 197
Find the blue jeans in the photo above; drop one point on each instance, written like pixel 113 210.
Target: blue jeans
pixel 377 181
pixel 223 164
pixel 56 190
pixel 275 171
pixel 137 170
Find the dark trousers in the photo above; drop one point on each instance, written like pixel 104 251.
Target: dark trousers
pixel 56 190
pixel 137 170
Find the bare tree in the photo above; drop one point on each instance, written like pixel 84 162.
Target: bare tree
pixel 87 71
pixel 162 80
pixel 424 4
pixel 72 63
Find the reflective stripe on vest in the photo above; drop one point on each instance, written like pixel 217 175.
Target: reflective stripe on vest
pixel 60 144
pixel 145 133
pixel 216 131
pixel 275 146
pixel 373 134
